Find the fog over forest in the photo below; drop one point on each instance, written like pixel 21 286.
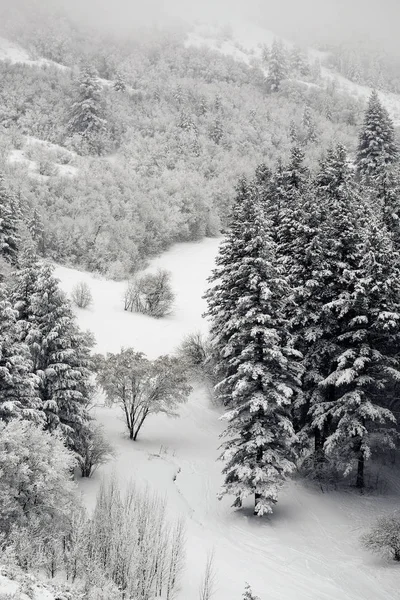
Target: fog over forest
pixel 312 21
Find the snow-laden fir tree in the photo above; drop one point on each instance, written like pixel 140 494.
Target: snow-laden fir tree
pixel 19 397
pixel 376 148
pixel 224 291
pixel 88 115
pixel 277 66
pixel 322 255
pixel 248 593
pixel 119 84
pixel 60 353
pixel 9 224
pixel 261 369
pixel 365 367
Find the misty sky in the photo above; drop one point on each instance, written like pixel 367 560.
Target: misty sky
pixel 311 20
pixel 317 19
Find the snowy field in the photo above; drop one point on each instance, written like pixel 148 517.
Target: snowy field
pixel 308 550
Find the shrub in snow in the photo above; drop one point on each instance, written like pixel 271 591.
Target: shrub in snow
pixel 150 294
pixel 384 536
pixel 94 450
pixel 47 168
pixel 142 387
pixel 136 546
pixel 81 295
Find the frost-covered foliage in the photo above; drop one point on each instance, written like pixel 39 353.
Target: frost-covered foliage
pixel 35 484
pixel 150 294
pixel 384 537
pixel 261 373
pixel 142 387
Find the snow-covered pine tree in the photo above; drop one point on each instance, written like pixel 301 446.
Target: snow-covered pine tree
pixel 9 224
pixel 277 66
pixel 339 253
pixel 261 369
pixel 299 61
pixel 309 125
pixel 386 198
pixel 119 84
pixel 224 291
pixel 19 396
pixel 88 114
pixel 60 353
pixel 322 252
pixel 248 593
pixel 365 367
pixel 376 148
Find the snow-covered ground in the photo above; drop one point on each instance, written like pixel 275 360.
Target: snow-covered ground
pixel 50 152
pixel 16 54
pixel 308 550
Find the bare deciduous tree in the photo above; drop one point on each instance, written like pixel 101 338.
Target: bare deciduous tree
pixel 150 294
pixel 142 387
pixel 207 586
pixel 95 450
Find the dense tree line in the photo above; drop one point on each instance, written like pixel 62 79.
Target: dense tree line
pixel 305 317
pixel 147 155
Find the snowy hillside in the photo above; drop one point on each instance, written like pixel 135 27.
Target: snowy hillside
pixel 16 54
pixel 244 42
pixel 309 549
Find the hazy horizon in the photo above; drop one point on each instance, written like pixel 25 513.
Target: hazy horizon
pixel 310 21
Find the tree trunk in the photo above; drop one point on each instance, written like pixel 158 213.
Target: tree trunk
pixel 360 470
pixel 256 499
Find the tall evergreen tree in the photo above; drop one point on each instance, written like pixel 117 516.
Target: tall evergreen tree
pixel 277 66
pixel 365 365
pixel 376 148
pixel 9 223
pixel 19 397
pixel 261 369
pixel 88 114
pixel 60 353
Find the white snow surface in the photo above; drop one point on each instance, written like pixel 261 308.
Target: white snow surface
pixel 308 550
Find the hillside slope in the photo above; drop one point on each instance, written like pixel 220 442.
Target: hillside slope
pixel 308 550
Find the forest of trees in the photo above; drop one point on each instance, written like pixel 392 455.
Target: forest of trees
pixel 148 136
pixel 111 151
pixel 304 307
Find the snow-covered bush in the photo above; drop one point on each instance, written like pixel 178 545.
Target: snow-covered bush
pixel 95 450
pixel 150 294
pixel 81 295
pixel 194 350
pixel 384 536
pixel 35 482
